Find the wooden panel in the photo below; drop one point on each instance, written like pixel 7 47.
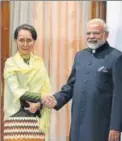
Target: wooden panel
pixel 98 9
pixel 5 18
pixel 102 10
pixel 5 32
pixel 93 9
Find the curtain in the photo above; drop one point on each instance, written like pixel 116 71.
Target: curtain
pixel 61 27
pixel 21 12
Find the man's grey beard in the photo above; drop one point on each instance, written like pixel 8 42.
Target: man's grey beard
pixel 95 45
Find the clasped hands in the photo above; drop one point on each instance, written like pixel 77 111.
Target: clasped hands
pixel 48 101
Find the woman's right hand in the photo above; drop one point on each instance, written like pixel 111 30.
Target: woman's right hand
pixel 33 107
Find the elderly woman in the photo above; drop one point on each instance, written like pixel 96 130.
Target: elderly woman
pixel 26 82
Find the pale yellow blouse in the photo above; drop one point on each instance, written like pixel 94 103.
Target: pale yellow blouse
pixel 20 78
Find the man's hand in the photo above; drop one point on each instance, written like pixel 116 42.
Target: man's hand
pixel 114 135
pixel 49 101
pixel 33 107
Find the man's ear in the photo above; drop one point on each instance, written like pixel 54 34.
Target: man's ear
pixel 106 35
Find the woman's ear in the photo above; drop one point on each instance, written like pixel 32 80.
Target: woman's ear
pixel 34 42
pixel 15 40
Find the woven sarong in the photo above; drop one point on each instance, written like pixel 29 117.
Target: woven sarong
pixel 22 129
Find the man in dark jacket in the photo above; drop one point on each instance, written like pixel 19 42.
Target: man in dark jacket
pixel 94 88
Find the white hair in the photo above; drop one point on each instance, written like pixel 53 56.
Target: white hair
pixel 100 21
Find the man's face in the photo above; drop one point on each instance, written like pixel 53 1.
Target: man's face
pixel 95 35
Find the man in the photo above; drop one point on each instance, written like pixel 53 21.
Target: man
pixel 96 101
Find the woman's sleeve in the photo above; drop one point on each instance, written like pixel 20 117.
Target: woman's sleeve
pixel 12 82
pixel 14 87
pixel 31 96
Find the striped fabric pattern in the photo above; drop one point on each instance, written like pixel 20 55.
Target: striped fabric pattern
pixel 23 129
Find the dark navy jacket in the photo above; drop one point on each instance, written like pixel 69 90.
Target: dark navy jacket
pixel 96 98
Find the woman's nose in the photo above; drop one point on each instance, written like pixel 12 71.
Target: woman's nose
pixel 25 44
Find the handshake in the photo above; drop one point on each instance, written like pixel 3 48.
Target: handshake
pixel 49 101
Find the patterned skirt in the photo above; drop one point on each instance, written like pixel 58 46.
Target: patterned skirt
pixel 22 129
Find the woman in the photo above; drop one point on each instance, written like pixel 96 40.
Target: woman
pixel 26 82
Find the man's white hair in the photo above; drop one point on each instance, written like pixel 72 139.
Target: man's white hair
pixel 100 21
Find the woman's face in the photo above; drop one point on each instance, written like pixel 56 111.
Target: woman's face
pixel 24 42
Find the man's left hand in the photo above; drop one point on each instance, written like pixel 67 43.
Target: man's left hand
pixel 114 135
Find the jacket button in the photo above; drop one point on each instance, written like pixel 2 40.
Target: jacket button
pixel 87 72
pixel 90 63
pixel 83 91
pixel 82 110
